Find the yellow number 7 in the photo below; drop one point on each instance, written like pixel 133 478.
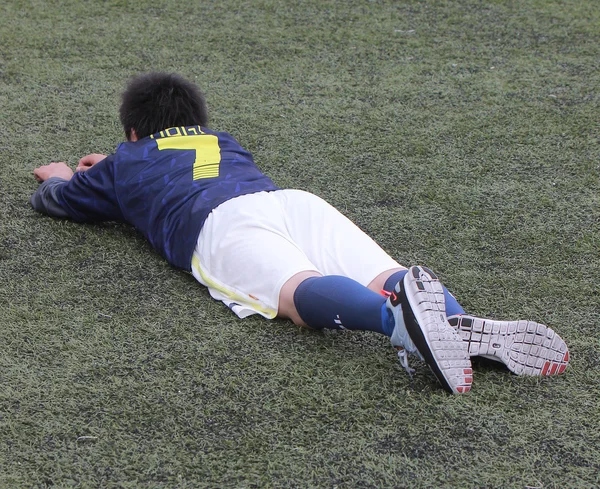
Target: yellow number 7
pixel 206 146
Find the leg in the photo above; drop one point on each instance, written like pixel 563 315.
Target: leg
pixel 379 283
pixel 525 347
pixel 332 242
pixel 245 256
pixel 413 316
pixel 287 308
pixel 341 250
pixel 333 302
pixel 388 279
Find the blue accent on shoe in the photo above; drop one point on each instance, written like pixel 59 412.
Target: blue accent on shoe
pixel 393 279
pixel 452 305
pixel 337 302
pixel 400 337
pixel 387 320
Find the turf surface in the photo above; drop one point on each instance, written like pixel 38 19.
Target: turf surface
pixel 462 135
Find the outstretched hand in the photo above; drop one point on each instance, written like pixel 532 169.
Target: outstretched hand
pixel 88 161
pixel 60 170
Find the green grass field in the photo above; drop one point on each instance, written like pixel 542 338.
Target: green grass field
pixel 462 135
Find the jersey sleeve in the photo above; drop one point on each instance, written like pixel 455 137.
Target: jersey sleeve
pixel 45 200
pixel 89 196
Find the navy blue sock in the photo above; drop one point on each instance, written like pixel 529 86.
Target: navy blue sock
pixel 452 305
pixel 336 302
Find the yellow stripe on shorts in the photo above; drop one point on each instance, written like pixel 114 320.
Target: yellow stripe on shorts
pixel 243 300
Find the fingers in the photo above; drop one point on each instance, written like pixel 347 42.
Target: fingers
pixel 83 167
pixel 45 172
pixel 40 172
pixel 88 161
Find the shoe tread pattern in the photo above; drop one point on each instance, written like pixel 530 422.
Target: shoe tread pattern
pixel 525 347
pixel 426 322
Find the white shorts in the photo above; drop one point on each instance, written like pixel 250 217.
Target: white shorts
pixel 250 246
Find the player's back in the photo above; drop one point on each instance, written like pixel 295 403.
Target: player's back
pixel 168 183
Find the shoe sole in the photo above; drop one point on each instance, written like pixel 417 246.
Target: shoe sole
pixel 525 347
pixel 424 311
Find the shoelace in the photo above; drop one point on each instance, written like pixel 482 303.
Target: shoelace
pixel 403 358
pixel 402 353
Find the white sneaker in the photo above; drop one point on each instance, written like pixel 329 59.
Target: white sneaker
pixel 525 347
pixel 421 327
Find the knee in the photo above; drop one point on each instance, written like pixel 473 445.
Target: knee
pixel 287 307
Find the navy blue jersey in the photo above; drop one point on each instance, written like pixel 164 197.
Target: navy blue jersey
pixel 165 185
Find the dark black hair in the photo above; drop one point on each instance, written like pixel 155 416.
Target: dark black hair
pixel 156 101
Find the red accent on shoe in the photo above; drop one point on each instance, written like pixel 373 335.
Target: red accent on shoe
pixel 553 369
pixel 566 359
pixel 468 371
pixel 385 293
pixel 561 369
pixel 468 380
pixel 545 369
